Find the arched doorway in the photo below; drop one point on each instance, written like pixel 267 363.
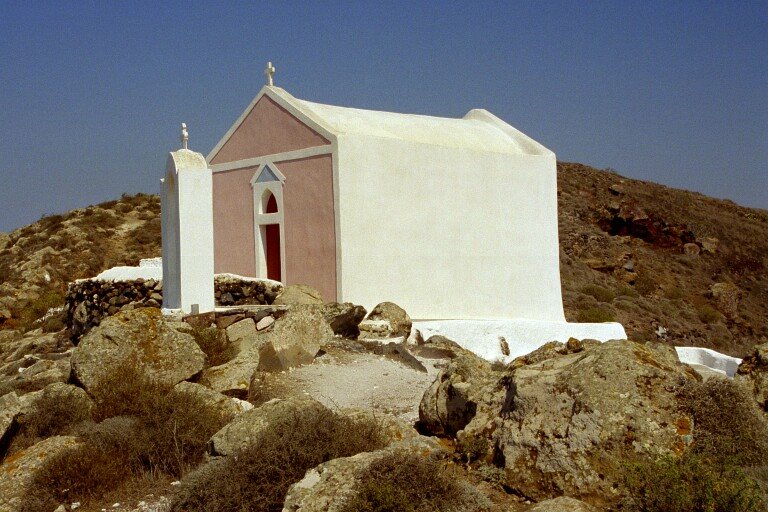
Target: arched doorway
pixel 272 242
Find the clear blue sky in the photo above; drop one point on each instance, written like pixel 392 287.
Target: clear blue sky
pixel 92 93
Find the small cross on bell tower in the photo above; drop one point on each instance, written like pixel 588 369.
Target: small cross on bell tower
pixel 269 71
pixel 184 136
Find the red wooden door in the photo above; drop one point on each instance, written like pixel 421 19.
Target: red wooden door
pixel 273 243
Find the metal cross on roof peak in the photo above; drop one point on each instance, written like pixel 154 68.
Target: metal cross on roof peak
pixel 269 71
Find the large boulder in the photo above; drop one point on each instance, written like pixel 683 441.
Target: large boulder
pixel 344 318
pixel 389 320
pixel 298 294
pixel 227 407
pixel 563 424
pixel 753 370
pixel 450 403
pixel 19 473
pixel 247 428
pixel 292 340
pixel 138 337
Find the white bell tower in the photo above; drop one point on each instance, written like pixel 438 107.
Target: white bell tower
pixel 187 229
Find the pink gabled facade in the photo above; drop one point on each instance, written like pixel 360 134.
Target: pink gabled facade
pixel 309 212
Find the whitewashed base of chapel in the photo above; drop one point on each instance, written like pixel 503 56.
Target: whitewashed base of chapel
pixel 483 337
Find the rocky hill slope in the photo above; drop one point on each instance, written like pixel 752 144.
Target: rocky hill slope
pixel 666 263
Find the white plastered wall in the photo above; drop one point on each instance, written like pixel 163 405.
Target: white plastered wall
pixel 448 232
pixel 187 230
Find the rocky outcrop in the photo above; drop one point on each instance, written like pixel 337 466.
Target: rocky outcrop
pixel 560 424
pixel 727 297
pixel 450 403
pixel 753 370
pixel 344 318
pixel 387 320
pixel 19 472
pixel 31 362
pixel 185 392
pixel 629 218
pixel 292 340
pixel 298 294
pixel 140 338
pixel 248 427
pixel 10 407
pixel 562 504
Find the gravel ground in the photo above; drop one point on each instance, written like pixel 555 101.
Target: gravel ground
pixel 344 380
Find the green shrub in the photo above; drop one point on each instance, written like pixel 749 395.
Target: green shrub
pixel 598 292
pixel 691 483
pixel 38 307
pixel 627 291
pixel 409 482
pixel 674 293
pixel 258 477
pixel 594 315
pixel 708 314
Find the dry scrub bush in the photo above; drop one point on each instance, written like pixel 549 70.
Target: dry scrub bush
pixel 409 482
pixel 730 434
pixel 727 422
pixel 598 292
pixel 50 416
pixel 79 474
pixel 691 483
pixel 708 314
pixel 143 430
pixel 175 428
pixel 258 477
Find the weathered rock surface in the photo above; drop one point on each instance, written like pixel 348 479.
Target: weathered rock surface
pixel 727 296
pixel 294 339
pixel 327 487
pixel 398 321
pixel 298 294
pixel 753 370
pixel 344 318
pixel 138 337
pixel 228 407
pixel 249 426
pixel 450 403
pixel 560 425
pixel 562 504
pixel 10 407
pixel 19 471
pixel 41 373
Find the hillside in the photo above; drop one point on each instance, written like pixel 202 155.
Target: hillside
pixel 623 257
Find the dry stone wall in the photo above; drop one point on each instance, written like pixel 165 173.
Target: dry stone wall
pixel 88 301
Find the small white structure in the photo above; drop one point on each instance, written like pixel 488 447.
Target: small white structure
pixel 187 230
